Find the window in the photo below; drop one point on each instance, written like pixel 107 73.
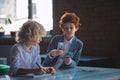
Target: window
pixel 34 9
pixel 17 12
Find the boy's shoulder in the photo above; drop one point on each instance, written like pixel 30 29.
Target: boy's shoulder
pixel 78 40
pixel 58 36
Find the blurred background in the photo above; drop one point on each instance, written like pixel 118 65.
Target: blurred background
pixel 99 32
pixel 13 13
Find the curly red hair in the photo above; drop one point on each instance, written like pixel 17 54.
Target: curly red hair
pixel 69 17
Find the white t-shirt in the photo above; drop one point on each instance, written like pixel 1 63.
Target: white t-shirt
pixel 21 57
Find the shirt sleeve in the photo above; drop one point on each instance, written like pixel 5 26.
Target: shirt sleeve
pixel 37 58
pixel 14 60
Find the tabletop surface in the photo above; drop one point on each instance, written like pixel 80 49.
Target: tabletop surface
pixel 78 73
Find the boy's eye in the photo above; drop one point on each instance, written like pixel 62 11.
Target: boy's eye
pixel 66 28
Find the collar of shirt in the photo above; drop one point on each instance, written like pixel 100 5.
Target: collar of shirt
pixel 67 44
pixel 66 41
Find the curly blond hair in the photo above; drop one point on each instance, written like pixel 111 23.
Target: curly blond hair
pixel 30 30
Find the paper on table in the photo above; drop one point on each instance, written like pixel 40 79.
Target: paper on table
pixel 33 76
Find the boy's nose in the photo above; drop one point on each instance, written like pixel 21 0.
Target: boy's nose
pixel 68 29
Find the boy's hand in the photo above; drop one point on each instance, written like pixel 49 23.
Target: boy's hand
pixel 56 52
pixel 67 60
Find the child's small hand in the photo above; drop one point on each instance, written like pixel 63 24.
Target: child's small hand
pixel 56 52
pixel 50 70
pixel 40 71
pixel 67 60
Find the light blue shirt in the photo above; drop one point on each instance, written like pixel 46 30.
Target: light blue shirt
pixel 74 52
pixel 21 57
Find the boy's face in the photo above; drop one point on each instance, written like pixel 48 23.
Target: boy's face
pixel 69 30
